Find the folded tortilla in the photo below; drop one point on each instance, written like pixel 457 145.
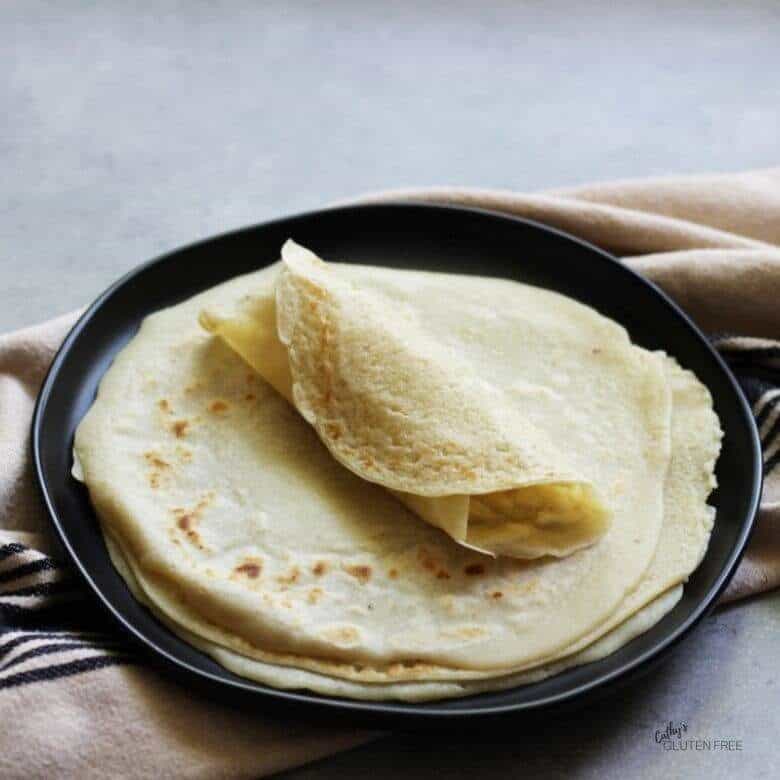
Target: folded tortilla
pixel 399 408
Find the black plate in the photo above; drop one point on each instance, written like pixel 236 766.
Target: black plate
pixel 403 236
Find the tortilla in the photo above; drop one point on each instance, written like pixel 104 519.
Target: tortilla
pixel 687 526
pixel 254 537
pixel 295 678
pixel 399 408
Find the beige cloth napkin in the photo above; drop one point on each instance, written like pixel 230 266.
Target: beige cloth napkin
pixel 76 702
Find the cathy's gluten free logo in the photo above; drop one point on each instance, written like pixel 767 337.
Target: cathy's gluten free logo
pixel 675 736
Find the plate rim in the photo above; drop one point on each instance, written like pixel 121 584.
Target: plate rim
pixel 430 712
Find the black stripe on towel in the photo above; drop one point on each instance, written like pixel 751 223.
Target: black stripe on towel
pixel 42 589
pixel 54 647
pixel 772 463
pixel 771 433
pixel 756 354
pixel 36 636
pixel 766 410
pixel 7 550
pixel 33 567
pixel 65 670
pixel 54 616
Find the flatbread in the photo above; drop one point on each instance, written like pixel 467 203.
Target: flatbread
pixel 295 678
pixel 688 522
pixel 231 506
pixel 401 409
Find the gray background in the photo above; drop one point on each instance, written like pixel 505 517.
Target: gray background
pixel 126 132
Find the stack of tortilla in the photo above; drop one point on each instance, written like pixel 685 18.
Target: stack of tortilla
pixel 387 484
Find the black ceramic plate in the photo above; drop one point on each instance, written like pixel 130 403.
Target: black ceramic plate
pixel 403 236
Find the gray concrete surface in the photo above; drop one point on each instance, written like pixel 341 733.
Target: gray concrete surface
pixel 722 683
pixel 127 129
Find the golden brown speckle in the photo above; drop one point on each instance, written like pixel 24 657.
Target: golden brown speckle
pixel 179 428
pixel 250 397
pixel 164 405
pixel 218 406
pixel 315 594
pixel 393 573
pixel 154 460
pixel 474 569
pixel 319 568
pixel 333 430
pixel 427 560
pixel 184 454
pixel 290 578
pixel 186 519
pixel 470 632
pixel 250 569
pixel 496 594
pixel 361 573
pixel 342 635
pixel 442 574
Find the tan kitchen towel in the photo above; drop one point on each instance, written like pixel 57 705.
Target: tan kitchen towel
pixel 77 701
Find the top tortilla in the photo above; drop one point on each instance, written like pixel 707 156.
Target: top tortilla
pixel 399 408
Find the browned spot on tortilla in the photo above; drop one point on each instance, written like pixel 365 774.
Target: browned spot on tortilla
pixel 291 577
pixel 333 430
pixel 474 569
pixel 596 351
pixel 179 428
pixel 187 519
pixel 342 635
pixel 218 406
pixel 470 632
pixel 193 536
pixel 157 465
pixel 251 379
pixel 315 594
pixel 249 569
pixel 393 573
pixel 319 568
pixel 164 405
pixel 250 397
pixel 496 594
pixel 184 454
pixel 442 574
pixel 362 573
pixel 154 460
pixel 427 560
